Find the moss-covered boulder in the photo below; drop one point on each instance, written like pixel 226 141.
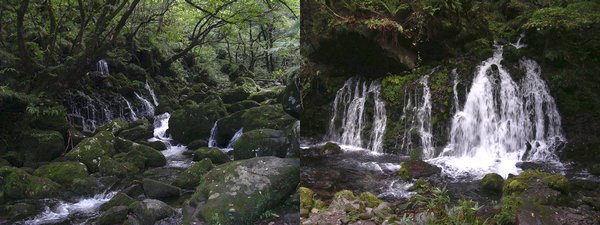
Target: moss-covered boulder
pixel 267 116
pixel 40 145
pixel 261 142
pixel 19 211
pixel 306 201
pixel 91 149
pixel 214 154
pixel 114 126
pixel 17 184
pixel 120 199
pixel 114 215
pixel 239 106
pixel 111 167
pixel 141 155
pixel 235 94
pixel 239 192
pixel 66 173
pixel 330 148
pixel 157 189
pixel 492 182
pixel 264 95
pixel 149 211
pixel 142 130
pixel 194 121
pixel 190 178
pixel 415 169
pixel 369 199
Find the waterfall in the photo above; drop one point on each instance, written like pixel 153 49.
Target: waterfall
pixel 174 152
pixel 151 92
pixel 212 141
pixel 60 211
pixel 131 111
pixel 503 122
pixel 102 67
pixel 518 44
pixel 416 116
pixel 455 90
pixel 348 120
pixel 148 108
pixel 235 137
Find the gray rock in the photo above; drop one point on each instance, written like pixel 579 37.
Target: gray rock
pixel 157 189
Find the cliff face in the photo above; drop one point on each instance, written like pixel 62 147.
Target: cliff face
pixel 342 40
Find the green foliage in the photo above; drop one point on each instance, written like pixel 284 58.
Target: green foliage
pixel 575 16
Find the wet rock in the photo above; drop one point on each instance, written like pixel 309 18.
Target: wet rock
pixel 267 116
pixel 264 95
pixel 39 145
pixel 290 99
pixel 194 121
pixel 415 169
pixel 114 215
pixel 158 145
pixel 162 174
pixel 190 178
pixel 261 142
pixel 110 167
pixel 239 106
pixel 17 184
pixel 143 131
pixel 20 211
pixel 149 211
pixel 157 189
pixel 541 166
pixel 114 126
pixel 120 199
pixel 90 150
pixel 199 143
pixel 239 192
pixel 215 155
pixel 492 182
pixel 330 148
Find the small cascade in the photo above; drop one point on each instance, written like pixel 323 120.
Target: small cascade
pixel 132 113
pixel 102 67
pixel 416 115
pixel 518 44
pixel 455 90
pixel 174 152
pixel 151 92
pixel 212 141
pixel 235 137
pixel 148 108
pixel 503 122
pixel 56 212
pixel 349 117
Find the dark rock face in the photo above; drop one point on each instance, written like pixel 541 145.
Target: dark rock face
pixel 415 169
pixel 261 142
pixel 38 145
pixel 290 98
pixel 240 191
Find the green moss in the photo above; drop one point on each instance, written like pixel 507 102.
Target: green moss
pixel 190 178
pixel 492 182
pixel 318 204
pixel 508 210
pixel 514 186
pixel 403 172
pixel 557 182
pixel 345 194
pixel 370 199
pixel 306 199
pixel 18 184
pixel 91 149
pixel 63 172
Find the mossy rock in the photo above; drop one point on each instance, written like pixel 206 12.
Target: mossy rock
pixel 114 126
pixel 65 173
pixel 415 169
pixel 143 131
pixel 39 145
pixel 111 167
pixel 157 189
pixel 149 211
pixel 120 199
pixel 264 95
pixel 20 211
pixel 114 215
pixel 306 200
pixel 330 148
pixel 191 177
pixel 214 154
pixel 91 149
pixel 492 182
pixel 262 117
pixel 261 142
pixel 370 199
pixel 242 105
pixel 239 192
pixel 514 186
pixel 194 121
pixel 17 184
pixel 235 94
pixel 345 194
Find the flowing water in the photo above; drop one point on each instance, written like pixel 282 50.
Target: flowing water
pixel 147 107
pixel 102 67
pixel 57 211
pixel 502 122
pixel 174 152
pixel 212 140
pixel 348 124
pixel 151 92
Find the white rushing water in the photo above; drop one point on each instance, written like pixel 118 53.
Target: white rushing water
pixel 148 108
pixel 102 67
pixel 174 152
pixel 212 140
pixel 502 122
pixel 235 137
pixel 151 92
pixel 348 120
pixel 518 44
pixel 132 114
pixel 416 117
pixel 60 211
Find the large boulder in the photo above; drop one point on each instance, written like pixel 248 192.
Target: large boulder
pixel 157 189
pixel 114 126
pixel 239 192
pixel 110 167
pixel 241 89
pixel 114 215
pixel 120 199
pixel 492 182
pixel 91 149
pixel 267 116
pixel 239 106
pixel 151 157
pixel 17 184
pixel 261 142
pixel 290 99
pixel 149 211
pixel 142 130
pixel 190 178
pixel 40 145
pixel 194 121
pixel 214 154
pixel 66 173
pixel 264 95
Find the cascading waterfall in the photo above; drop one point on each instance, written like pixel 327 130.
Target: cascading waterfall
pixel 455 90
pixel 102 67
pixel 235 137
pixel 212 140
pixel 174 152
pixel 60 210
pixel 131 111
pixel 518 44
pixel 151 92
pixel 503 122
pixel 416 115
pixel 148 108
pixel 347 124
